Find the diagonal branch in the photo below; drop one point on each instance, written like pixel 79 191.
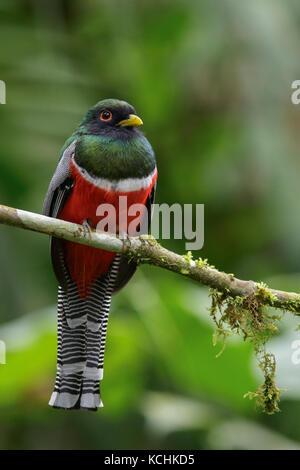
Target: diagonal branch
pixel 146 250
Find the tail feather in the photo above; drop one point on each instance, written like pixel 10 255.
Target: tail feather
pixel 82 326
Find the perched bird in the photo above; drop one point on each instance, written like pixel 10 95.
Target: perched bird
pixel 105 158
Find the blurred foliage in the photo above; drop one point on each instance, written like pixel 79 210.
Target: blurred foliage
pixel 212 82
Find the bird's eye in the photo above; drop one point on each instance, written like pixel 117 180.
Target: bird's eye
pixel 106 115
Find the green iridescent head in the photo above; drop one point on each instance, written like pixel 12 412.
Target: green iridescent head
pixel 110 144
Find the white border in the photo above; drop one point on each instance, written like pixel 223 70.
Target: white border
pixel 125 186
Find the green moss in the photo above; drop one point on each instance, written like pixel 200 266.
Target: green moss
pixel 188 257
pixel 292 305
pixel 267 396
pixel 265 293
pixel 203 263
pixel 184 271
pixel 246 316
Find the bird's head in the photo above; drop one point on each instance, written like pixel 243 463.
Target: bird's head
pixel 110 144
pixel 111 118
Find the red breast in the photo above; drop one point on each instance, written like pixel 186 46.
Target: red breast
pixel 85 263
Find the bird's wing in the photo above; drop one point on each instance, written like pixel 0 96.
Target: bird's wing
pixel 128 268
pixel 53 202
pixel 58 192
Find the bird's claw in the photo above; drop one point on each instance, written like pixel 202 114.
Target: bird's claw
pixel 87 228
pixel 125 238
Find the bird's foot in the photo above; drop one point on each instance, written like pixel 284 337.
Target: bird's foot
pixel 87 228
pixel 125 238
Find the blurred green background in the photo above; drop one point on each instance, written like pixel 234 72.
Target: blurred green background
pixel 212 82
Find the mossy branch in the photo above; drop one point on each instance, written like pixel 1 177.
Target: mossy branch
pixel 145 249
pixel 237 305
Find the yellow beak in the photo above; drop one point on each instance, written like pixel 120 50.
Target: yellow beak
pixel 132 121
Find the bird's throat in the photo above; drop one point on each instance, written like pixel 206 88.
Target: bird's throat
pixel 114 160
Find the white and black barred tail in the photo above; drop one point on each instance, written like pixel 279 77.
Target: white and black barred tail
pixel 82 326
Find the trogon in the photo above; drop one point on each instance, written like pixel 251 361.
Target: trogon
pixel 106 159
